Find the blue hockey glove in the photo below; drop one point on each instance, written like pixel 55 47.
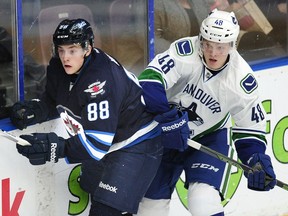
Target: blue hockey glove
pixel 26 113
pixel 44 147
pixel 262 178
pixel 174 128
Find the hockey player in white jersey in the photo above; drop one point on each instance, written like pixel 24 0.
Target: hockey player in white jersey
pixel 206 76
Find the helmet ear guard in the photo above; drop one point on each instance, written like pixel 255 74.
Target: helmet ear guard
pixel 220 27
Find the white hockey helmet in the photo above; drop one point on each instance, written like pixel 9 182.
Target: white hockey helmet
pixel 220 27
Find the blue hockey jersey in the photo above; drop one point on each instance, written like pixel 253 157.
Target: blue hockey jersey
pixel 102 107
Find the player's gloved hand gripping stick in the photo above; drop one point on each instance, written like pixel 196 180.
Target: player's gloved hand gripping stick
pixel 247 169
pixel 44 147
pixel 262 177
pixel 38 147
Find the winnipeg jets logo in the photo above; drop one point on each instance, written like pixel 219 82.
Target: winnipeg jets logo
pixel 96 88
pixel 71 121
pixel 72 126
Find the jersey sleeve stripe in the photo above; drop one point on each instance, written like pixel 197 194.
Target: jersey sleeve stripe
pixel 102 137
pixel 94 152
pixel 150 130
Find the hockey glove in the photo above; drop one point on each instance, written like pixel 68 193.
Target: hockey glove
pixel 26 113
pixel 44 147
pixel 174 129
pixel 262 178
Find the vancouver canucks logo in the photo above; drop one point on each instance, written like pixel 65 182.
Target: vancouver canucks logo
pixel 234 20
pixel 249 84
pixel 192 114
pixel 184 48
pixel 96 88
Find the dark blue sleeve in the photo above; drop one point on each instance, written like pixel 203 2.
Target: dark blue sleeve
pixel 246 148
pixel 155 97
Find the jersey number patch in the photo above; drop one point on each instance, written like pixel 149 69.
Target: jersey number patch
pixel 257 114
pixel 96 111
pixel 166 63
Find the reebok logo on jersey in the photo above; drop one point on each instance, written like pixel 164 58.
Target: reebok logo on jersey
pixel 108 187
pixel 184 48
pixel 173 126
pixel 249 84
pixel 53 152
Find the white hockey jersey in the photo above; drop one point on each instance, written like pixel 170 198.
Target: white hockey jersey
pixel 211 99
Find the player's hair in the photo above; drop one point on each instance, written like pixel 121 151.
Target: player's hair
pixel 220 27
pixel 74 31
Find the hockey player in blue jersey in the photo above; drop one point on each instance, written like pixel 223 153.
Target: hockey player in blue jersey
pixel 111 134
pixel 207 77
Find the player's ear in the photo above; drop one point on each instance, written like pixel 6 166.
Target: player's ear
pixel 88 50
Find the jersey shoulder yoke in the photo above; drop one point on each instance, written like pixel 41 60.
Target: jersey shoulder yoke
pixel 184 49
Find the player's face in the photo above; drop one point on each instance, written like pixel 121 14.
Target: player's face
pixel 72 57
pixel 215 54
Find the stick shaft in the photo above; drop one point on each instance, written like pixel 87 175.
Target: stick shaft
pixel 13 138
pixel 228 160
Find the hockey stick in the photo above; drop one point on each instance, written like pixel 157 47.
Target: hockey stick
pixel 13 138
pixel 228 160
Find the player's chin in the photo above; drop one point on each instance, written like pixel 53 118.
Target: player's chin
pixel 213 65
pixel 69 70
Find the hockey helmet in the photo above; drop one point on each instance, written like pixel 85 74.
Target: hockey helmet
pixel 220 27
pixel 75 31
